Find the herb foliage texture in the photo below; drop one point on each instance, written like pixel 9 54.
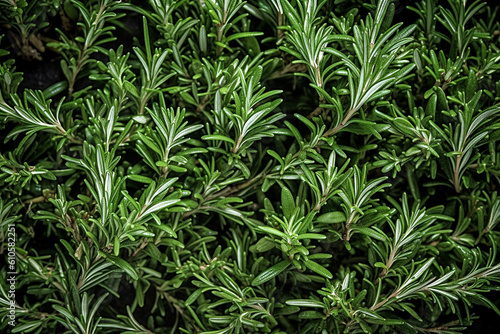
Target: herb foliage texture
pixel 259 166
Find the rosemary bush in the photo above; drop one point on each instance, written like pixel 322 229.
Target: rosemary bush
pixel 271 166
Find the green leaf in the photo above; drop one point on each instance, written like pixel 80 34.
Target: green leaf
pixel 116 246
pixel 218 137
pixel 471 88
pixel 272 272
pixel 319 269
pixel 121 263
pixel 272 230
pixel 311 236
pixel 192 298
pixel 263 245
pixel 243 35
pixel 378 235
pixel 311 315
pixel 55 89
pixel 129 87
pixel 167 229
pixel 332 218
pixel 26 327
pixel 287 203
pixel 140 178
pixel 305 303
pixel 160 206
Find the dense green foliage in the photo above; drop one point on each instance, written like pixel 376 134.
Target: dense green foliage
pixel 267 166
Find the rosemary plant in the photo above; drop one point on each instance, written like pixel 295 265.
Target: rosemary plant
pixel 229 166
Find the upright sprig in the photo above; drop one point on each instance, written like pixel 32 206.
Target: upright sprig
pixel 225 14
pixel 376 65
pixel 77 53
pixel 232 173
pixel 171 133
pixel 309 39
pixel 465 137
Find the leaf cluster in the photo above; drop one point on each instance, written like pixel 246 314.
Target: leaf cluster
pixel 272 166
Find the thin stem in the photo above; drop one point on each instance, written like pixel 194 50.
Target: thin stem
pixel 289 68
pixel 279 32
pixel 203 103
pixel 224 193
pixel 220 31
pixel 318 76
pixel 438 329
pixel 339 127
pixel 144 101
pixel 62 131
pixel 347 233
pixel 237 145
pixel 231 190
pixel 77 70
pixel 481 234
pixel 143 245
pixel 83 55
pixel 317 207
pixel 179 307
pixel 382 303
pixel 389 262
pixel 456 174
